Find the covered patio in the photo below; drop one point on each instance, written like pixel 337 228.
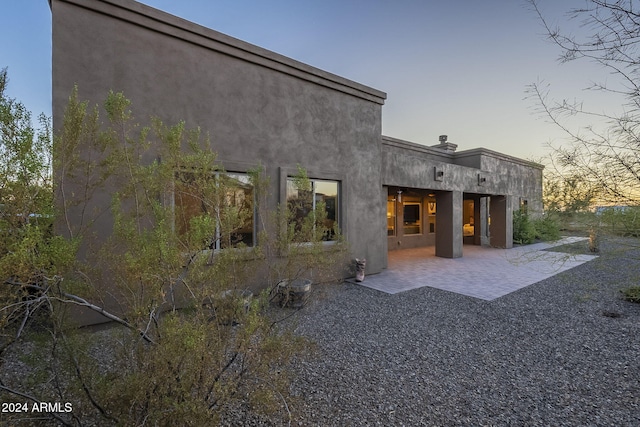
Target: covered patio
pixel 484 272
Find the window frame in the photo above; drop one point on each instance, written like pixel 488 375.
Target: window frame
pixel 285 173
pixel 314 199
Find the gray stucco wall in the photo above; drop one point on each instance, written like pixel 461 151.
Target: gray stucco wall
pixel 488 178
pixel 263 108
pixel 257 106
pixel 406 164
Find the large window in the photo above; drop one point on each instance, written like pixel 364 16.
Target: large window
pixel 219 208
pixel 320 198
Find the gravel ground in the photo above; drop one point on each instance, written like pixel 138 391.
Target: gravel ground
pixel 563 351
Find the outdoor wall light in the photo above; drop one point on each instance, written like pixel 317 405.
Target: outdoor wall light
pixel 438 174
pixel 481 179
pixel 399 196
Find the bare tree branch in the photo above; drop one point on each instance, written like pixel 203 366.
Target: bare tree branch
pixel 74 299
pixel 609 159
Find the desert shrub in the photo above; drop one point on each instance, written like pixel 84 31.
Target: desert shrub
pixel 524 231
pixel 623 221
pixel 546 228
pixel 190 341
pixel 527 230
pixel 631 294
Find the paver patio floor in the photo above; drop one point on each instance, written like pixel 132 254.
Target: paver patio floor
pixel 482 272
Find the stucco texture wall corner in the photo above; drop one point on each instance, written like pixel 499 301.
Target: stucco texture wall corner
pixel 366 226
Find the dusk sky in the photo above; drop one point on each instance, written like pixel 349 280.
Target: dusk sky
pixel 457 67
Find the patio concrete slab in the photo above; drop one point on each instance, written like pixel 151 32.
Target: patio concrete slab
pixel 482 272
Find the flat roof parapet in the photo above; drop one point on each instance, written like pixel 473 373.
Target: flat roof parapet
pixel 156 20
pixel 474 152
pixel 408 145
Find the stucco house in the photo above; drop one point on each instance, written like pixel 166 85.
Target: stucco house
pixel 261 107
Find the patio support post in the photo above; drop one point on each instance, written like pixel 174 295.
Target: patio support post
pixel 501 228
pixel 477 215
pixel 449 224
pixel 484 221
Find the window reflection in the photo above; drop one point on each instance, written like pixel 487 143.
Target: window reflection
pixel 221 203
pixel 303 202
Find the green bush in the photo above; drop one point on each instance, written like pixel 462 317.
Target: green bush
pixel 631 294
pixel 547 229
pixel 622 221
pixel 524 231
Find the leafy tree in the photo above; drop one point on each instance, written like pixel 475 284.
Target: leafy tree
pixel 565 194
pixel 29 252
pixel 196 343
pixel 567 200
